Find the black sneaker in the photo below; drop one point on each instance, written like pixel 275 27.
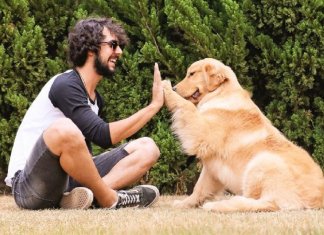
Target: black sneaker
pixel 139 196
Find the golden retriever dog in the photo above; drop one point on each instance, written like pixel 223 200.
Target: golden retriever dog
pixel 240 150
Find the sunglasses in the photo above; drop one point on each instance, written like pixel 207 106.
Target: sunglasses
pixel 113 44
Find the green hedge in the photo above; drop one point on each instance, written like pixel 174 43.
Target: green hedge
pixel 275 48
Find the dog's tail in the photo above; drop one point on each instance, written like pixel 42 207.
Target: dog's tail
pixel 311 193
pixel 322 190
pixel 316 195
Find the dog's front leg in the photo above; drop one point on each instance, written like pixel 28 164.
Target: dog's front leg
pixel 173 100
pixel 206 188
pixel 185 114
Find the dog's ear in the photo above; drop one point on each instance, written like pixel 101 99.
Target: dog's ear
pixel 214 77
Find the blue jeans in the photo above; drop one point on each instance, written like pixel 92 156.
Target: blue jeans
pixel 42 182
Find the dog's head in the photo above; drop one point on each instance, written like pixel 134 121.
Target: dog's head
pixel 206 76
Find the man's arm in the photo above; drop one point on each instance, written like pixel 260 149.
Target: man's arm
pixel 123 129
pixel 68 96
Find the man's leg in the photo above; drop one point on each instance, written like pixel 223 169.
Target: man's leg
pixel 142 155
pixel 41 183
pixel 120 169
pixel 66 141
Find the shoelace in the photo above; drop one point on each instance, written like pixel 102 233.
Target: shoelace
pixel 129 199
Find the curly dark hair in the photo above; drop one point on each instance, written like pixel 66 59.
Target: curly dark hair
pixel 87 35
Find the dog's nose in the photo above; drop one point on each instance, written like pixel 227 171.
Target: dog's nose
pixel 174 88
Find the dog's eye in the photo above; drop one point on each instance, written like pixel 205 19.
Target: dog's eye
pixel 191 74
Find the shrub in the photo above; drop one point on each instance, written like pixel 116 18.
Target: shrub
pixel 275 48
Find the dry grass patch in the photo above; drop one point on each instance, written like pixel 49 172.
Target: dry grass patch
pixel 160 219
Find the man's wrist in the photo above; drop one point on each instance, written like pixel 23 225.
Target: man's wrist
pixel 154 107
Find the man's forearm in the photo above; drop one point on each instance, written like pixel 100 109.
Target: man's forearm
pixel 125 128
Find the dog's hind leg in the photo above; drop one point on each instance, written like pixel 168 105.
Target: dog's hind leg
pixel 241 204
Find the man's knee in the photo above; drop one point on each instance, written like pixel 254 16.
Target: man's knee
pixel 62 133
pixel 150 151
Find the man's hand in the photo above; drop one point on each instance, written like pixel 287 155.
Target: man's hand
pixel 157 89
pixel 122 129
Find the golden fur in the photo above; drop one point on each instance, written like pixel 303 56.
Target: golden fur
pixel 240 150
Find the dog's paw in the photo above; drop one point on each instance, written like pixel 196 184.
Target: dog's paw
pixel 209 206
pixel 166 85
pixel 220 206
pixel 181 204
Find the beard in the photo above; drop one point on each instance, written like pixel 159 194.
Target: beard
pixel 102 68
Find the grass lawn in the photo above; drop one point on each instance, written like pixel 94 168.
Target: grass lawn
pixel 160 219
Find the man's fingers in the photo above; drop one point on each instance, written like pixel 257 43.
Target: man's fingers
pixel 157 75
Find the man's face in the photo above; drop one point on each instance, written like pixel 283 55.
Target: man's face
pixel 110 51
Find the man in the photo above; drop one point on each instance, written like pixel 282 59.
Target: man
pixel 51 163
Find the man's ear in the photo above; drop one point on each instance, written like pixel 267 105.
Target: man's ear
pixel 91 53
pixel 213 78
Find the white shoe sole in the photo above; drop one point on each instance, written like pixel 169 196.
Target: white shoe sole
pixel 78 198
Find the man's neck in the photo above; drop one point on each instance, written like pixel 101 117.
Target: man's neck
pixel 90 78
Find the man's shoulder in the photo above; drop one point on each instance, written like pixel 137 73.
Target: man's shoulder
pixel 68 76
pixel 66 81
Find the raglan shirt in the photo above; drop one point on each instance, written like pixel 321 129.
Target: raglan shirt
pixel 62 96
